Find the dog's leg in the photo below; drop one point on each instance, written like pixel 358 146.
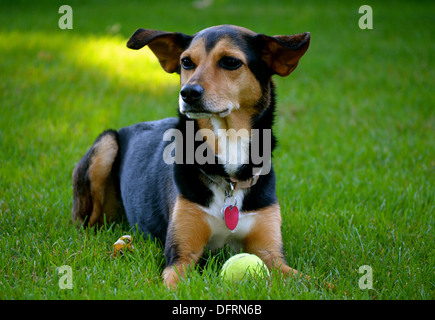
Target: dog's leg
pixel 265 240
pixel 188 234
pixel 94 190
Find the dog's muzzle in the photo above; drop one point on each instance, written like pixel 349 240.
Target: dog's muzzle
pixel 194 106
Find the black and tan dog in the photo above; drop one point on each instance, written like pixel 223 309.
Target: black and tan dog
pixel 190 204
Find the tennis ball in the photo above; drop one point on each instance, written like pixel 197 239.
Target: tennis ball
pixel 241 265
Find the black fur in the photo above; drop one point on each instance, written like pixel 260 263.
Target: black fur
pixel 146 181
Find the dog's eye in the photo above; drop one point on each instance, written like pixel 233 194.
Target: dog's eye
pixel 187 63
pixel 230 63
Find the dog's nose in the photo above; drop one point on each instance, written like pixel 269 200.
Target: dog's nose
pixel 191 93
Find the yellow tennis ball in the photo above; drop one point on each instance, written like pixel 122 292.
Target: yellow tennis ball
pixel 243 265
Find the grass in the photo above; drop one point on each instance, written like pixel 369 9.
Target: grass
pixel 355 163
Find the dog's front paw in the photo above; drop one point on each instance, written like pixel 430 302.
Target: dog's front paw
pixel 170 277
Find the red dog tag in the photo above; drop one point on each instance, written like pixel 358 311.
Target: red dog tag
pixel 231 216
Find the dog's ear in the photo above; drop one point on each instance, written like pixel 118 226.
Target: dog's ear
pixel 166 46
pixel 282 53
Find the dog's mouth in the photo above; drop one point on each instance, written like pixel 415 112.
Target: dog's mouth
pixel 204 109
pixel 201 114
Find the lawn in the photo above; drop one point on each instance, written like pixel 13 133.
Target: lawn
pixel 355 163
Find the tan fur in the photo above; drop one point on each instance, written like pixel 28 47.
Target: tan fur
pixel 265 240
pixel 190 232
pixel 222 87
pixel 102 185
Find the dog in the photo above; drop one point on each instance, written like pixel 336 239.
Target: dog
pixel 227 92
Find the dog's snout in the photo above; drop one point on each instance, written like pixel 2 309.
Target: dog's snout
pixel 191 93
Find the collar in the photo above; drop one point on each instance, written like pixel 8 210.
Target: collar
pixel 244 184
pixel 235 184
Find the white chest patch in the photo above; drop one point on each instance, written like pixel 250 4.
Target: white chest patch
pixel 220 234
pixel 233 147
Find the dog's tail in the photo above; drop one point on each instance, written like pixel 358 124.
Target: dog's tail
pixel 95 183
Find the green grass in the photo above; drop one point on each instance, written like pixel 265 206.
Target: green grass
pixel 355 163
